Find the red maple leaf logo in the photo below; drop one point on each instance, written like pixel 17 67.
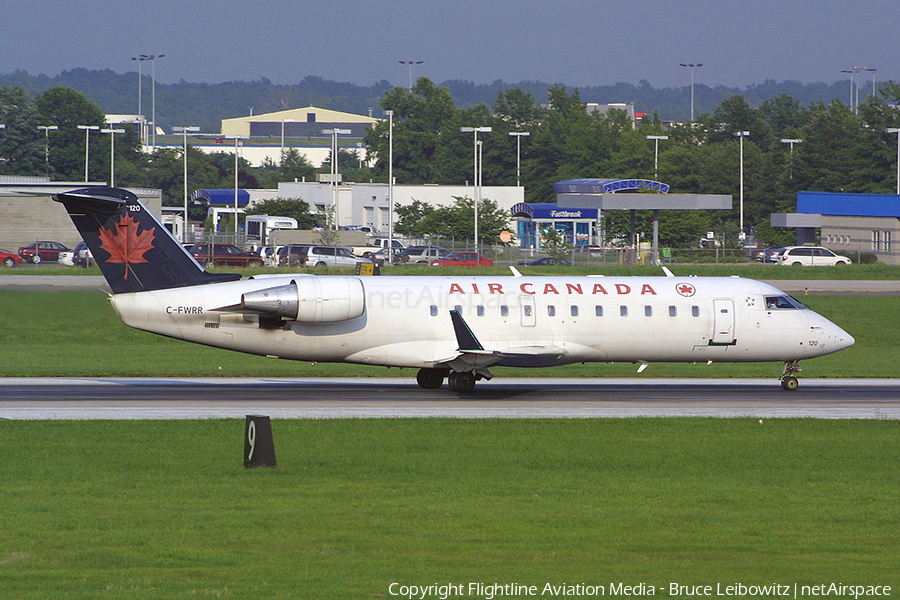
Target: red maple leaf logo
pixel 686 289
pixel 125 244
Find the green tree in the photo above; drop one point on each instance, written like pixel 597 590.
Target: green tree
pixel 21 150
pixel 294 167
pixel 66 108
pixel 553 242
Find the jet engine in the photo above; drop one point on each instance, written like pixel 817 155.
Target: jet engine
pixel 309 300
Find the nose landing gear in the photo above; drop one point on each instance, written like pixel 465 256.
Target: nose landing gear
pixel 788 381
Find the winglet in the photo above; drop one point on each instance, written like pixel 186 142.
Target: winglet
pixel 464 336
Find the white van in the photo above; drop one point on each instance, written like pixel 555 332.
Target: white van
pixel 811 256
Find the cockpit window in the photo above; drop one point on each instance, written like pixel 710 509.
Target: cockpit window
pixel 778 302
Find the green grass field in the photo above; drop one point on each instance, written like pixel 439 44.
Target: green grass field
pixel 164 509
pixel 76 333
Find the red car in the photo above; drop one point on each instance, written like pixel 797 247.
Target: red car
pixel 42 252
pixel 463 259
pixel 8 259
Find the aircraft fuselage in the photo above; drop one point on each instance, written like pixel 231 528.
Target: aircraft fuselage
pixel 404 322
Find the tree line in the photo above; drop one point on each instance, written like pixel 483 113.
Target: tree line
pixel 840 149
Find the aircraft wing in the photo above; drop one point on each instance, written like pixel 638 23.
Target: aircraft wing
pixel 472 356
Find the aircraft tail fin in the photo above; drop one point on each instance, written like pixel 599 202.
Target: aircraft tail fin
pixel 133 249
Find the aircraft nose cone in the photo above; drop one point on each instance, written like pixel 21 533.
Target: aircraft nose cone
pixel 838 339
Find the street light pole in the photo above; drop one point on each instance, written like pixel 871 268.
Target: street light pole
pixel 152 58
pixel 112 153
pixel 185 131
pixel 87 146
pixel 872 71
pixel 518 135
pixel 47 129
pixel 334 171
pixel 692 67
pixel 390 254
pixel 742 135
pixel 410 63
pixel 656 139
pixel 792 142
pixel 897 131
pixel 140 61
pixel 478 166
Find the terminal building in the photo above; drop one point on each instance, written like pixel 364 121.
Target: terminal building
pixel 848 224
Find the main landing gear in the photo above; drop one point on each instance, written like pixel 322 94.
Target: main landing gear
pixel 462 382
pixel 788 381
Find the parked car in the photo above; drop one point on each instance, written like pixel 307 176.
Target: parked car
pixel 42 251
pixel 224 254
pixel 66 258
pixel 380 256
pixel 421 255
pixel 545 261
pixel 812 256
pixel 771 254
pixel 463 259
pixel 268 254
pixel 81 256
pixel 332 256
pixel 8 259
pixel 290 255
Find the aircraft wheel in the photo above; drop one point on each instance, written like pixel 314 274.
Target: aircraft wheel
pixel 789 383
pixel 430 379
pixel 463 382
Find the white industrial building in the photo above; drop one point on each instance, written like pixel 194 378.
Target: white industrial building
pixel 367 204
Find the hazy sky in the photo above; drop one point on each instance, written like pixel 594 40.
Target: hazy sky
pixel 573 42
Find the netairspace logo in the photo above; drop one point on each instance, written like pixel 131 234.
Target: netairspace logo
pixel 490 591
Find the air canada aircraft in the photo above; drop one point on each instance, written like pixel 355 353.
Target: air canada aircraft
pixel 448 327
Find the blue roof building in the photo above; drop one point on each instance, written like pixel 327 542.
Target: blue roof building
pixel 847 223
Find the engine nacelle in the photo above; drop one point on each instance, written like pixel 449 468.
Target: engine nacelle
pixel 310 300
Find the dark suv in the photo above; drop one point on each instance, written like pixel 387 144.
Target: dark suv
pixel 224 254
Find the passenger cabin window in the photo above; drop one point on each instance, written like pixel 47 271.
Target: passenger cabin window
pixel 779 302
pixel 648 311
pixel 504 311
pixel 695 311
pixel 598 310
pixel 480 310
pixel 434 310
pixel 527 308
pixel 623 311
pixel 573 310
pixel 673 311
pixel 551 311
pixel 458 308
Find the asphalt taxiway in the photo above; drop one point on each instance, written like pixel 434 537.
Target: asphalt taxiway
pixel 389 397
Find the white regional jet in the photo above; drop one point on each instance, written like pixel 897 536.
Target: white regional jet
pixel 452 328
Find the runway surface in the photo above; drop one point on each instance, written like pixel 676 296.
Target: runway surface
pixel 314 398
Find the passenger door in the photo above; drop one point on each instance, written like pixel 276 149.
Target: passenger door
pixel 723 332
